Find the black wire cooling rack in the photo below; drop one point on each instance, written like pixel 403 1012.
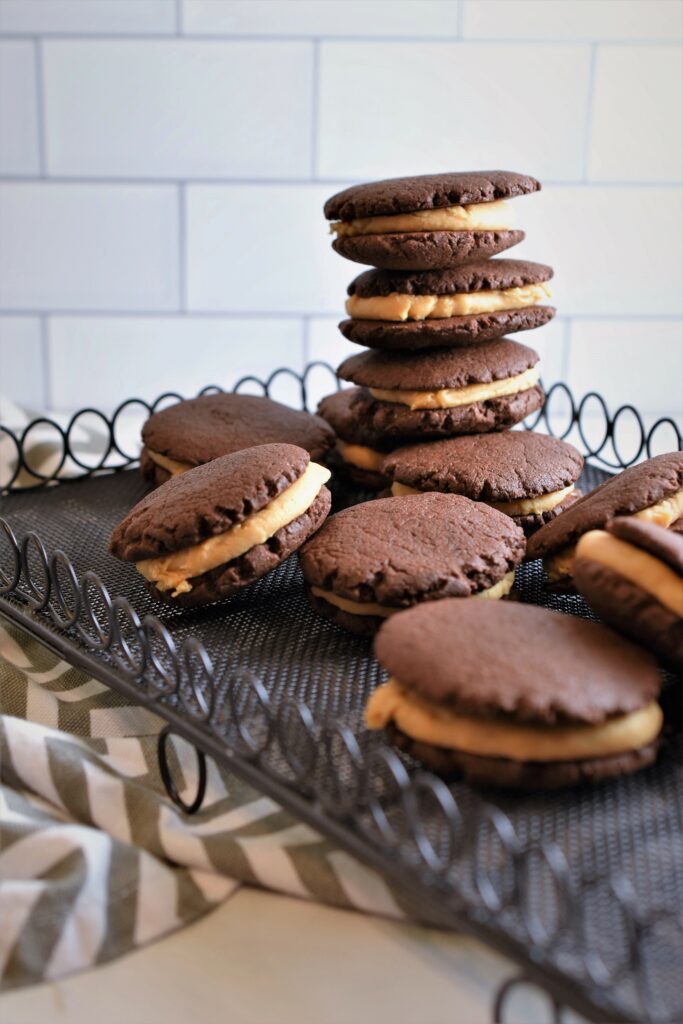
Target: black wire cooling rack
pixel 582 889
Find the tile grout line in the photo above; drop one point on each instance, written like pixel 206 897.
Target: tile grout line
pixel 45 352
pixel 179 17
pixel 315 108
pixel 182 248
pixel 588 129
pixel 40 106
pixel 411 40
pixel 228 182
pixel 460 19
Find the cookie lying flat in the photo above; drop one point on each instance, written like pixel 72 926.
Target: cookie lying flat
pixel 360 450
pixel 215 529
pixel 472 691
pixel 631 574
pixel 428 221
pixel 427 395
pixel 371 560
pixel 652 490
pixel 438 308
pixel 530 477
pixel 198 430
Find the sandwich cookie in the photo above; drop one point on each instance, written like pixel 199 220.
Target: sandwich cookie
pixel 472 691
pixel 631 574
pixel 652 491
pixel 429 221
pixel 359 452
pixel 530 477
pixel 216 528
pixel 371 560
pixel 437 308
pixel 427 395
pixel 198 430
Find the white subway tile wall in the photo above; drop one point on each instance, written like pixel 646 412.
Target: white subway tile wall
pixel 163 164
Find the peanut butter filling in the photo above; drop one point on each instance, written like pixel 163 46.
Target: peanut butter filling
pixel 495 216
pixel 173 467
pixel 665 512
pixel 174 571
pixel 521 507
pixel 499 589
pixel 450 398
pixel 397 306
pixel 360 456
pixel 635 565
pixel 426 721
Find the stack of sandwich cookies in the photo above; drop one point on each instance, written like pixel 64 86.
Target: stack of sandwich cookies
pixel 438 393
pixel 195 431
pixel 429 221
pixel 530 477
pixel 214 529
pixel 651 491
pixel 472 691
pixel 371 560
pixel 631 574
pixel 436 308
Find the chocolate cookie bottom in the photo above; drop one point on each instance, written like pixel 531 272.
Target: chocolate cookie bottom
pixel 450 332
pixel 254 563
pixel 425 250
pixel 525 775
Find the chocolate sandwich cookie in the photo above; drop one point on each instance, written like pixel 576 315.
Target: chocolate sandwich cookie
pixel 514 695
pixel 530 477
pixel 631 574
pixel 439 308
pixel 360 450
pixel 427 395
pixel 429 221
pixel 198 430
pixel 216 528
pixel 371 560
pixel 651 491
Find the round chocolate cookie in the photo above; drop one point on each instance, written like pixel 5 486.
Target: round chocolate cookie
pixel 360 450
pixel 651 490
pixel 372 559
pixel 413 396
pixel 530 477
pixel 198 430
pixel 473 690
pixel 427 222
pixel 428 309
pixel 631 574
pixel 216 528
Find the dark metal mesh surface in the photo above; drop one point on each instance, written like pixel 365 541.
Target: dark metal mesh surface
pixel 628 830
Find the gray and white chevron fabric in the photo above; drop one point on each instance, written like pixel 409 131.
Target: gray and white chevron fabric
pixel 95 860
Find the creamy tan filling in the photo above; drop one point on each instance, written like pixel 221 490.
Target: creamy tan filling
pixel 174 571
pixel 427 721
pixel 665 512
pixel 499 589
pixel 633 564
pixel 361 456
pixel 495 216
pixel 397 306
pixel 450 398
pixel 173 467
pixel 522 507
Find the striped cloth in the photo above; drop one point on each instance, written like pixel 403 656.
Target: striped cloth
pixel 94 858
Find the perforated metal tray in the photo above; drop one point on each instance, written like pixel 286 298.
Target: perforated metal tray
pixel 583 889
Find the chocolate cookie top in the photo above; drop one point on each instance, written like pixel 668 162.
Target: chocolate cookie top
pixel 493 467
pixel 482 275
pixel 667 545
pixel 204 428
pixel 427 192
pixel 499 657
pixel 207 500
pixel 346 412
pixel 636 488
pixel 439 368
pixel 425 546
